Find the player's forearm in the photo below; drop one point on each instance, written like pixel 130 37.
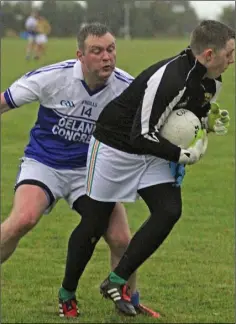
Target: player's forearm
pixel 4 108
pixel 3 105
pixel 160 148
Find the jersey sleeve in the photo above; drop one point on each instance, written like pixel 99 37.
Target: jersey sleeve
pixel 121 81
pixel 25 90
pixel 123 74
pixel 161 96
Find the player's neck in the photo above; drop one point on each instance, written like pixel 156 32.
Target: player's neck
pixel 92 83
pixel 203 61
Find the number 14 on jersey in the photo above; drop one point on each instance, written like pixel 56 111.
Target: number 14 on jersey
pixel 86 111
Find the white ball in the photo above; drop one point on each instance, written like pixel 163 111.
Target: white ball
pixel 181 127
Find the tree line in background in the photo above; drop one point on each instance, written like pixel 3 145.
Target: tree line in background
pixel 146 18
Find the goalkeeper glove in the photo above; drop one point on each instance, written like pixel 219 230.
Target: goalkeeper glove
pixel 196 150
pixel 217 120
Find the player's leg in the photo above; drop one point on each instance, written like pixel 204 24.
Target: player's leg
pixel 153 174
pixel 41 41
pixel 118 236
pixel 30 202
pixel 38 46
pixel 75 266
pixel 37 51
pixel 165 211
pixel 104 165
pixel 94 223
pixel 84 238
pixel 34 195
pixel 44 41
pixel 164 214
pixel 30 46
pixel 81 245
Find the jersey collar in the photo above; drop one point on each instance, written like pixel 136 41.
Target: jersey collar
pixel 199 69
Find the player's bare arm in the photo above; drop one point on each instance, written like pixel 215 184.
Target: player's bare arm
pixel 3 105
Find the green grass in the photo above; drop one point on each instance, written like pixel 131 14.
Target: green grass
pixel 191 277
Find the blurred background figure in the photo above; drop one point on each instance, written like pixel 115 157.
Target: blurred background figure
pixel 43 30
pixel 31 28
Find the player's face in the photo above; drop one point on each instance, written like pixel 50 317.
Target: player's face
pixel 219 61
pixel 99 56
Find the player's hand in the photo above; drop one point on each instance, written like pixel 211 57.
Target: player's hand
pixel 178 172
pixel 217 120
pixel 196 150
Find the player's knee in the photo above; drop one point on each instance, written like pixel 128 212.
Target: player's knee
pixel 95 215
pixel 169 213
pixel 173 212
pixel 92 228
pixel 118 242
pixel 25 220
pixel 102 226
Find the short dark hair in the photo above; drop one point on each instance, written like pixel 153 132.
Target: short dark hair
pixel 95 29
pixel 212 34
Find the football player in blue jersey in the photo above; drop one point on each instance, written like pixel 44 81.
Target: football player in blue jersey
pixel 71 94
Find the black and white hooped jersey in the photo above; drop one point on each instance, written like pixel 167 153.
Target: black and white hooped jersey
pixel 67 113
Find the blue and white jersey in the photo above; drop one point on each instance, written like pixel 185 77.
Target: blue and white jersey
pixel 31 25
pixel 67 113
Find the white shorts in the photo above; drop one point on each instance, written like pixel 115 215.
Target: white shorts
pixel 31 37
pixel 113 175
pixel 57 184
pixel 41 39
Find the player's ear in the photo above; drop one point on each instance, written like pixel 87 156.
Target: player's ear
pixel 208 54
pixel 79 55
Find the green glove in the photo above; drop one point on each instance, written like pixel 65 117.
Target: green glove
pixel 218 120
pixel 196 150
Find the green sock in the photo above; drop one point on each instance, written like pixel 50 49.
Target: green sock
pixel 114 278
pixel 65 294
